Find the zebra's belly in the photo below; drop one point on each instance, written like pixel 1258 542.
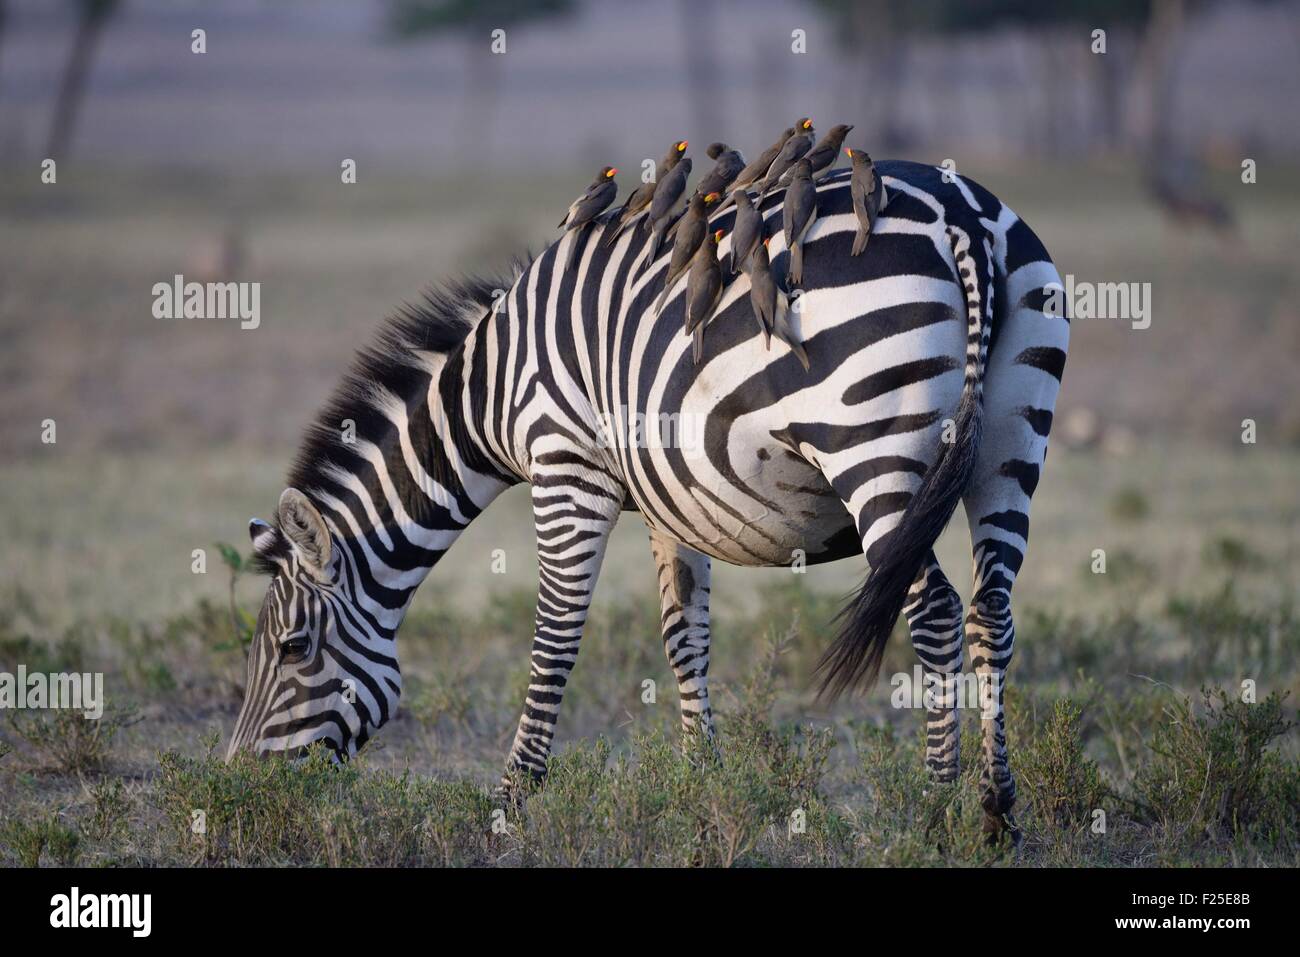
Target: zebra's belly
pixel 779 510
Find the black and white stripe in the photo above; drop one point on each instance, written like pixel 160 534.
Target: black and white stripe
pixel 941 325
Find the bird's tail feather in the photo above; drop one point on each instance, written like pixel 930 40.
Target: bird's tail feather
pixel 860 241
pixel 573 250
pixel 617 225
pixel 653 249
pixel 796 263
pixel 784 331
pixel 668 284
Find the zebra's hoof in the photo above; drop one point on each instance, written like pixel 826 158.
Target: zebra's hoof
pixel 997 798
pixel 701 749
pixel 516 784
pixel 995 828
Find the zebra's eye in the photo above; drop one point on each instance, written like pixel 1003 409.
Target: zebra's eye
pixel 295 649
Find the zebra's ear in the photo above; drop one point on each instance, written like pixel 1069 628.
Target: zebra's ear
pixel 302 524
pixel 261 535
pixel 269 547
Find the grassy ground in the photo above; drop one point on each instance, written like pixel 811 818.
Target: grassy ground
pixel 171 436
pixel 1121 760
pixel 1106 704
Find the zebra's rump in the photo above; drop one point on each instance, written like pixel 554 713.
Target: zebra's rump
pixel 746 455
pixel 761 452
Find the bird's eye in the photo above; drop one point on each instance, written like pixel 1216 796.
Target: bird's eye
pixel 294 649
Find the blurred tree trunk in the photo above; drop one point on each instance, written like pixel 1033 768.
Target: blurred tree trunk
pixel 883 50
pixel 1152 123
pixel 4 13
pixel 473 21
pixel 862 66
pixel 1050 69
pixel 1110 78
pixel 702 89
pixel 91 17
pixel 1168 18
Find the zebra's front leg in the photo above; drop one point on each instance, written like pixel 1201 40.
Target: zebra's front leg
pixel 933 611
pixel 684 621
pixel 573 523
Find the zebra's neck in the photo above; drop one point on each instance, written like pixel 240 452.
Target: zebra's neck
pixel 397 469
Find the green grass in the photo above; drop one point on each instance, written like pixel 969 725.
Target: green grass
pixel 171 436
pixel 1114 768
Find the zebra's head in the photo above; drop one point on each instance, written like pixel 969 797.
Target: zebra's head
pixel 319 668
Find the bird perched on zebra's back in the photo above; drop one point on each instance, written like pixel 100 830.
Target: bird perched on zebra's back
pixel 868 194
pixel 755 171
pixel 640 198
pixel 691 229
pixel 703 290
pixel 793 150
pixel 771 305
pixel 799 214
pixel 588 206
pixel 823 156
pixel 667 195
pixel 726 167
pixel 746 232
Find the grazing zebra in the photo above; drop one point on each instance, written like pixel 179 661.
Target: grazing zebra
pixel 935 363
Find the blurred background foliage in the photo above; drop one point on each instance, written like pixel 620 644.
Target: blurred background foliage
pixel 226 165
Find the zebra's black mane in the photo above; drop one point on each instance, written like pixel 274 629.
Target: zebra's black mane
pixel 439 322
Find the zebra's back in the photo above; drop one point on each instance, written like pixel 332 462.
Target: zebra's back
pixel 746 456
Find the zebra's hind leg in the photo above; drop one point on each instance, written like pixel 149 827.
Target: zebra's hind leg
pixel 684 604
pixel 991 633
pixel 1020 389
pixel 933 613
pixel 573 523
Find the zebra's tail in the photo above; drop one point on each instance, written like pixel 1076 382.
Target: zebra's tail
pixel 868 619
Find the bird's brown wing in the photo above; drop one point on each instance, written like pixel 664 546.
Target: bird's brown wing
pixel 757 169
pixel 743 239
pixel 762 295
pixel 706 288
pixel 667 195
pixel 800 201
pixel 591 205
pixel 861 201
